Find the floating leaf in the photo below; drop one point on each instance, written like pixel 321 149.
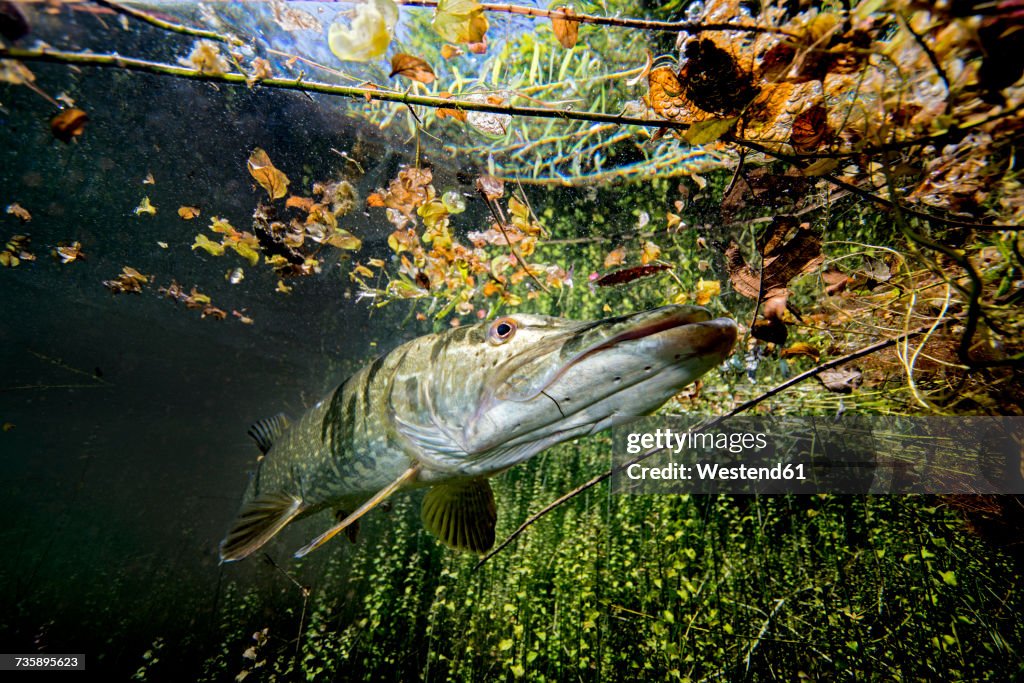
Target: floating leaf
pixel 68 124
pixel 246 251
pixel 188 212
pixel 149 179
pixel 206 58
pixel 411 67
pixel 566 30
pixel 19 212
pixel 302 203
pixel 15 72
pixel 375 199
pixel 451 51
pixel 810 129
pixel 491 187
pixel 145 206
pixel 665 93
pixel 706 289
pixel 615 257
pixel 650 252
pixel 706 132
pixel 801 349
pixel 490 124
pixel 242 318
pixel 67 253
pixel 205 243
pixel 621 277
pixel 841 380
pixel 369 34
pixel 130 281
pixel 283 288
pixel 269 178
pixel 343 239
pixel 460 21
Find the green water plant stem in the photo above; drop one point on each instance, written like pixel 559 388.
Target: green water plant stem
pixel 168 25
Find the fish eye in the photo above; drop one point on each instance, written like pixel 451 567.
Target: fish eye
pixel 501 330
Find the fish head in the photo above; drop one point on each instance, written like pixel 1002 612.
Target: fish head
pixel 497 393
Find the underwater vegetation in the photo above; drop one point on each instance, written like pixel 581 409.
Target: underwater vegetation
pixel 214 212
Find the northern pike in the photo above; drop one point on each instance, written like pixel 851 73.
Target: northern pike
pixel 447 411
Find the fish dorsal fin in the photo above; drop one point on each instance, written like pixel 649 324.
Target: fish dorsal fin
pixel 265 432
pixel 406 477
pixel 259 520
pixel 462 515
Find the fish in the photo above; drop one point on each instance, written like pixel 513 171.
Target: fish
pixel 448 411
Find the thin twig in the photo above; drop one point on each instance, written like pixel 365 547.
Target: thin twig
pixel 500 221
pixel 747 405
pixel 168 25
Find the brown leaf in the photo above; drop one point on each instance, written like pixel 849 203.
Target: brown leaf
pixel 615 257
pixel 835 281
pixel 624 275
pixel 264 172
pixel 665 93
pixel 772 331
pixel 841 380
pixel 566 30
pixel 188 212
pixel 411 67
pixel 713 80
pixel 302 203
pixel 492 188
pixel 375 199
pixel 810 129
pixel 451 51
pixel 19 212
pixel 801 349
pixel 457 114
pixel 782 261
pixel 68 124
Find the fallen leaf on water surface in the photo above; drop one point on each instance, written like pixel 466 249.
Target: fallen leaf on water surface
pixel 292 19
pixel 188 212
pixel 209 246
pixel 665 93
pixel 566 30
pixel 491 187
pixel 801 349
pixel 841 380
pixel 283 288
pixel 460 21
pixel 650 252
pixel 368 35
pixel 621 277
pixel 266 174
pixel 706 289
pixel 130 281
pixel 706 132
pixel 615 257
pixel 67 253
pixel 145 206
pixel 343 239
pixel 211 311
pixel 411 67
pixel 206 58
pixel 149 179
pixel 772 330
pixel 457 114
pixel 301 203
pixel 491 124
pixel 374 199
pixel 19 212
pixel 810 129
pixel 68 124
pixel 242 318
pixel 451 51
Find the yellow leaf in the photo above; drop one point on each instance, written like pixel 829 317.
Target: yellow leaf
pixel 145 207
pixel 707 289
pixel 246 252
pixel 188 212
pixel 460 21
pixel 651 252
pixel 343 239
pixel 369 34
pixel 451 51
pixel 219 225
pixel 283 288
pixel 211 247
pixel 269 178
pixel 363 270
pixel 801 349
pixel 706 132
pixel 566 30
pixel 19 212
pixel 411 67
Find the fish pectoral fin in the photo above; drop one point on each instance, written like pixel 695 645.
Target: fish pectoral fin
pixel 462 515
pixel 259 520
pixel 377 498
pixel 265 432
pixel 352 530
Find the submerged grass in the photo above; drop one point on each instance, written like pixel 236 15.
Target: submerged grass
pixel 614 587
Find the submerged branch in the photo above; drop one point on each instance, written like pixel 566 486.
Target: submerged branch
pixel 168 25
pixel 369 94
pixel 813 372
pixel 621 22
